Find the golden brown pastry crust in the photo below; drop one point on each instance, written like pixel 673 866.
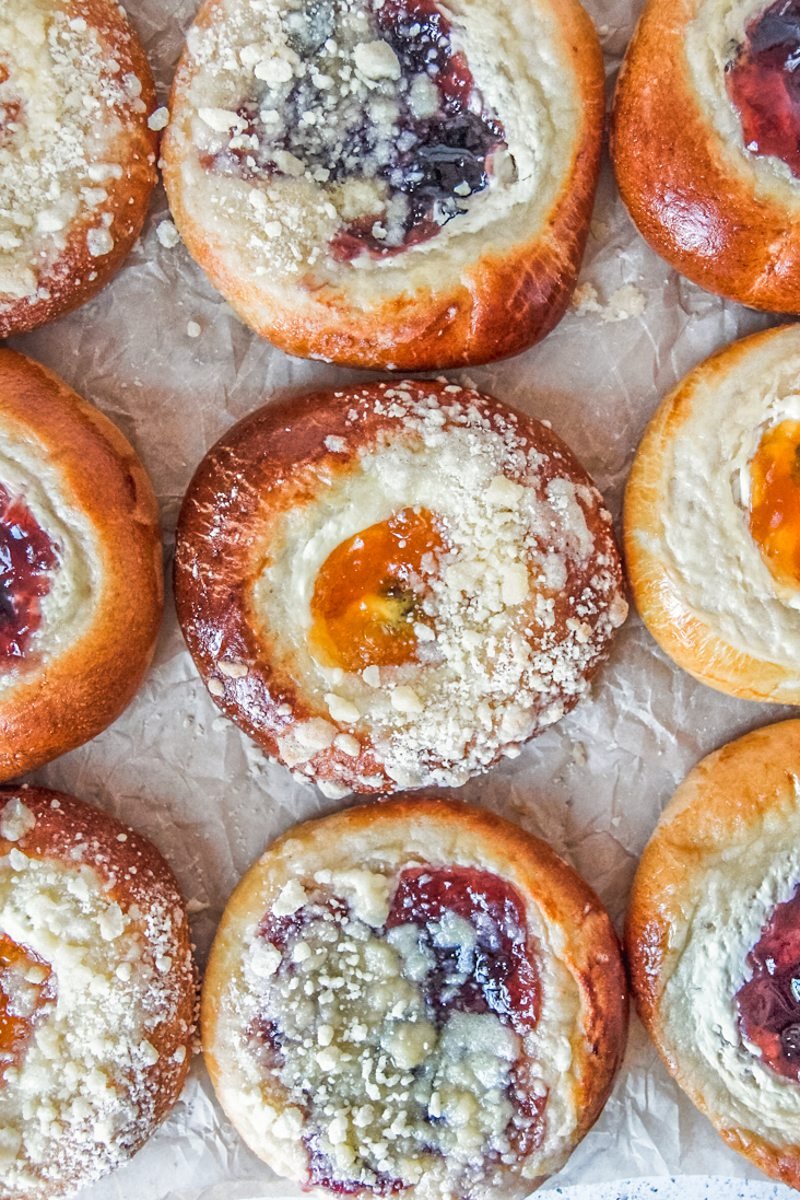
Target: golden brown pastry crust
pixel 720 806
pixel 501 306
pixel 256 473
pixel 690 198
pixel 140 878
pixel 78 692
pixel 681 631
pixel 446 832
pixel 76 276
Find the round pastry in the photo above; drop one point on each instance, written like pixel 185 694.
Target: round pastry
pixel 714 944
pixel 81 577
pixel 413 998
pixel 392 586
pixel 97 993
pixel 706 143
pixel 388 183
pixel 77 159
pixel 712 532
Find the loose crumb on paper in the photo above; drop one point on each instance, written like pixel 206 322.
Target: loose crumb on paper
pixel 626 302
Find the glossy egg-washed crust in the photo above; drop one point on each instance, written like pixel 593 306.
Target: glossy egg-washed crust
pixel 590 950
pixel 256 473
pixel 65 699
pixel 505 302
pixel 141 878
pixel 677 628
pixel 691 194
pixel 719 807
pixel 76 276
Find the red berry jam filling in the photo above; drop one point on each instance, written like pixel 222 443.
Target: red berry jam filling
pixel 27 559
pixel 426 138
pixel 763 81
pixel 458 936
pixel 769 1003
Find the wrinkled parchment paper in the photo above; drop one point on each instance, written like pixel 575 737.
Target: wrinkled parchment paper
pixel 592 785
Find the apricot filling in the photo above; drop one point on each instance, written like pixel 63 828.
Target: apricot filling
pixel 775 501
pixel 367 603
pixel 26 985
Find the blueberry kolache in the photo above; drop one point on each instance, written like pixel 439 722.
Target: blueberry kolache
pixel 712 537
pixel 381 183
pixel 413 998
pixel 713 939
pixel 97 993
pixel 705 137
pixel 77 154
pixel 394 586
pixel 81 576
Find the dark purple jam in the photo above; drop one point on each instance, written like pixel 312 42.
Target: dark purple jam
pixel 429 164
pixel 503 979
pixel 27 559
pixel 763 82
pixel 769 1003
pixel 497 974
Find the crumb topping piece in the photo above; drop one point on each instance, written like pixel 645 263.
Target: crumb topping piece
pixel 392 1012
pixel 63 104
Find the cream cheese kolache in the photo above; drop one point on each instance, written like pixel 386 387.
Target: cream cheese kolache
pixel 413 998
pixel 81 575
pixel 706 143
pixel 713 942
pixel 393 183
pixel 77 154
pixel 712 536
pixel 394 586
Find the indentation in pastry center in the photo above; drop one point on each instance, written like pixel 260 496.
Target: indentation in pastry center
pixel 763 81
pixel 769 1003
pixel 775 501
pixel 376 106
pixel 367 606
pixel 394 1018
pixel 28 558
pixel 27 988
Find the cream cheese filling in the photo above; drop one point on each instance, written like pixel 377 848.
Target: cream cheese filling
pixel 76 581
pixel 740 890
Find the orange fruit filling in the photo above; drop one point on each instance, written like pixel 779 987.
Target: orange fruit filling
pixel 26 983
pixel 368 593
pixel 775 500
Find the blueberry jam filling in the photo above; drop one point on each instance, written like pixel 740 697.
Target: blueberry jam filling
pixel 769 1003
pixel 763 81
pixel 414 127
pixel 27 559
pixel 398 1039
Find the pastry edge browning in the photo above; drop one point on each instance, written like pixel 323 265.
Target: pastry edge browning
pixel 677 628
pixel 505 303
pixel 86 686
pixel 687 194
pixel 68 282
pixel 727 793
pixel 591 951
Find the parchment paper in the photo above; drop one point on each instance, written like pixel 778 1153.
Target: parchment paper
pixel 593 785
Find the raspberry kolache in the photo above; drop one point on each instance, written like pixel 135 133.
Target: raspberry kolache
pixel 389 184
pixel 77 159
pixel 81 576
pixel 705 142
pixel 413 998
pixel 713 942
pixel 712 536
pixel 97 993
pixel 394 586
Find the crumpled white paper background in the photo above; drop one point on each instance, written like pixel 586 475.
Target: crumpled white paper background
pixel 593 785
